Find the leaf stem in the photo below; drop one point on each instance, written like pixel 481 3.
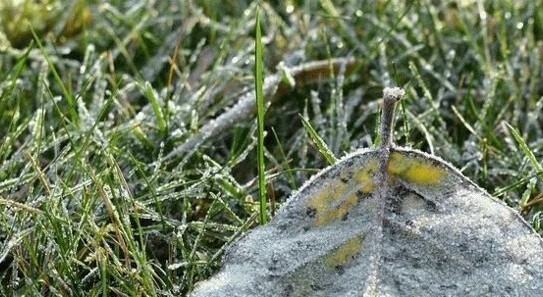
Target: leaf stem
pixel 390 97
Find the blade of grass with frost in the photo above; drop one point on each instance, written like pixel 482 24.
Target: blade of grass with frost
pixel 14 240
pixel 12 76
pixel 260 121
pixel 321 145
pixel 529 154
pixel 74 116
pixel 288 171
pixel 150 93
pixel 518 183
pixel 524 147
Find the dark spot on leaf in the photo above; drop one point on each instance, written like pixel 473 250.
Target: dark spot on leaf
pixel 361 195
pixel 340 269
pixel 311 212
pixel 430 205
pixel 316 287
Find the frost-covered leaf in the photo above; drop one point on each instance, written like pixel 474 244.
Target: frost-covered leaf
pixel 386 222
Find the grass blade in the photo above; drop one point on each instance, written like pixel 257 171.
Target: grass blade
pixel 72 111
pixel 155 104
pixel 319 142
pixel 524 147
pixel 260 121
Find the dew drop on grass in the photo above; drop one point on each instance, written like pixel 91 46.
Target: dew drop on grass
pixel 289 9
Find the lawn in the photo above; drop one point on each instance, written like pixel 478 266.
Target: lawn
pixel 128 149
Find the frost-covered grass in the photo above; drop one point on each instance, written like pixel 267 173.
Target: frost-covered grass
pixel 95 196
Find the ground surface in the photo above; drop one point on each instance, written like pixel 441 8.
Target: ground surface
pixel 96 198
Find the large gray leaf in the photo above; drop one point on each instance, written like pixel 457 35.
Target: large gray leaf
pixel 436 234
pixel 386 222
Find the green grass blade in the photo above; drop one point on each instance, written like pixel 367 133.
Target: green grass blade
pixel 155 104
pixel 260 121
pixel 288 170
pixel 319 142
pixel 524 147
pixel 531 157
pixel 72 109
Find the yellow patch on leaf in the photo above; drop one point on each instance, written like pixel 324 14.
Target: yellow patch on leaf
pixel 344 252
pixel 415 170
pixel 365 177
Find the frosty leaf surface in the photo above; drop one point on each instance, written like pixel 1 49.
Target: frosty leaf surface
pixel 386 222
pixel 439 235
